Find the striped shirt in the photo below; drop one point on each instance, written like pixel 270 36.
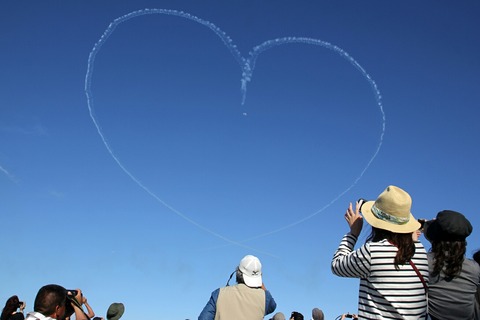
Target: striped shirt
pixel 385 292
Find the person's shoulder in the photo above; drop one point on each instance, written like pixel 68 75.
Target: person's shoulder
pixel 419 247
pixel 382 244
pixel 472 264
pixel 17 316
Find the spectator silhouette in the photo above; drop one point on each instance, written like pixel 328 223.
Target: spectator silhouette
pixel 80 300
pixel 10 311
pixel 390 256
pixel 317 314
pixel 454 279
pixel 296 316
pixel 51 303
pixel 247 300
pixel 278 316
pixel 115 311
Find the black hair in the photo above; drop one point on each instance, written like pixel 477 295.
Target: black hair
pixel 48 298
pixel 448 257
pixel 296 316
pixel 239 276
pixel 476 256
pixel 12 304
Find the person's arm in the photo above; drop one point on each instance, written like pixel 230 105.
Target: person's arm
pixel 210 309
pixel 270 304
pixel 79 313
pixel 346 262
pixel 22 309
pixel 90 312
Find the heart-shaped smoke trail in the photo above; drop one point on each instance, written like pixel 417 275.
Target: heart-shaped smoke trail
pixel 247 66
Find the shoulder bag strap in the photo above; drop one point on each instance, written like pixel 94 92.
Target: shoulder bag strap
pixel 419 275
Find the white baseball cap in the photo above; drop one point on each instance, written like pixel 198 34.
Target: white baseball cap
pixel 251 269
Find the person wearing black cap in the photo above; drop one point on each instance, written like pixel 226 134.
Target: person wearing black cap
pixel 453 277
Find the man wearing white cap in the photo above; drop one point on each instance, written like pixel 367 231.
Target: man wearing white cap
pixel 247 300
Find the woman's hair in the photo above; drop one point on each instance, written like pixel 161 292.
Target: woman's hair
pixel 448 257
pixel 403 241
pixel 12 304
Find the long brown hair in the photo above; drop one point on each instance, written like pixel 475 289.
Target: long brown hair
pixel 403 241
pixel 448 256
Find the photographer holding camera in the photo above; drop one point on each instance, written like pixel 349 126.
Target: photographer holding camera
pixel 80 300
pixel 248 299
pixel 10 312
pixel 391 266
pixel 54 302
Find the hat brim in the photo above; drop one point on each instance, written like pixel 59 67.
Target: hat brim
pixel 411 226
pixel 252 282
pixel 431 231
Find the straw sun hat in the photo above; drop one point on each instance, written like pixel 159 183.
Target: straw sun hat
pixel 391 211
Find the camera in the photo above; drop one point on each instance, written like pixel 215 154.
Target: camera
pixel 72 300
pixel 72 293
pixel 422 223
pixel 20 304
pixel 361 201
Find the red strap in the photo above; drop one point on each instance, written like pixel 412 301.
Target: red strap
pixel 419 275
pixel 416 271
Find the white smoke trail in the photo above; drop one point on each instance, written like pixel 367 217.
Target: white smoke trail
pixel 8 174
pixel 247 67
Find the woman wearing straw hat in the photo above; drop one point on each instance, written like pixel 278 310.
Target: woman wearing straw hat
pixel 392 267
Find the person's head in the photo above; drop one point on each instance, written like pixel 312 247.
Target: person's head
pixel 50 301
pixel 317 314
pixel 296 316
pixel 11 305
pixel 448 226
pixel 448 233
pixel 391 219
pixel 476 256
pixel 115 311
pixel 278 316
pixel 249 272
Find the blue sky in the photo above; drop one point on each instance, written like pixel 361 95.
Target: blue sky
pixel 205 178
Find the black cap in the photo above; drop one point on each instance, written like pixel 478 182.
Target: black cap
pixel 449 226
